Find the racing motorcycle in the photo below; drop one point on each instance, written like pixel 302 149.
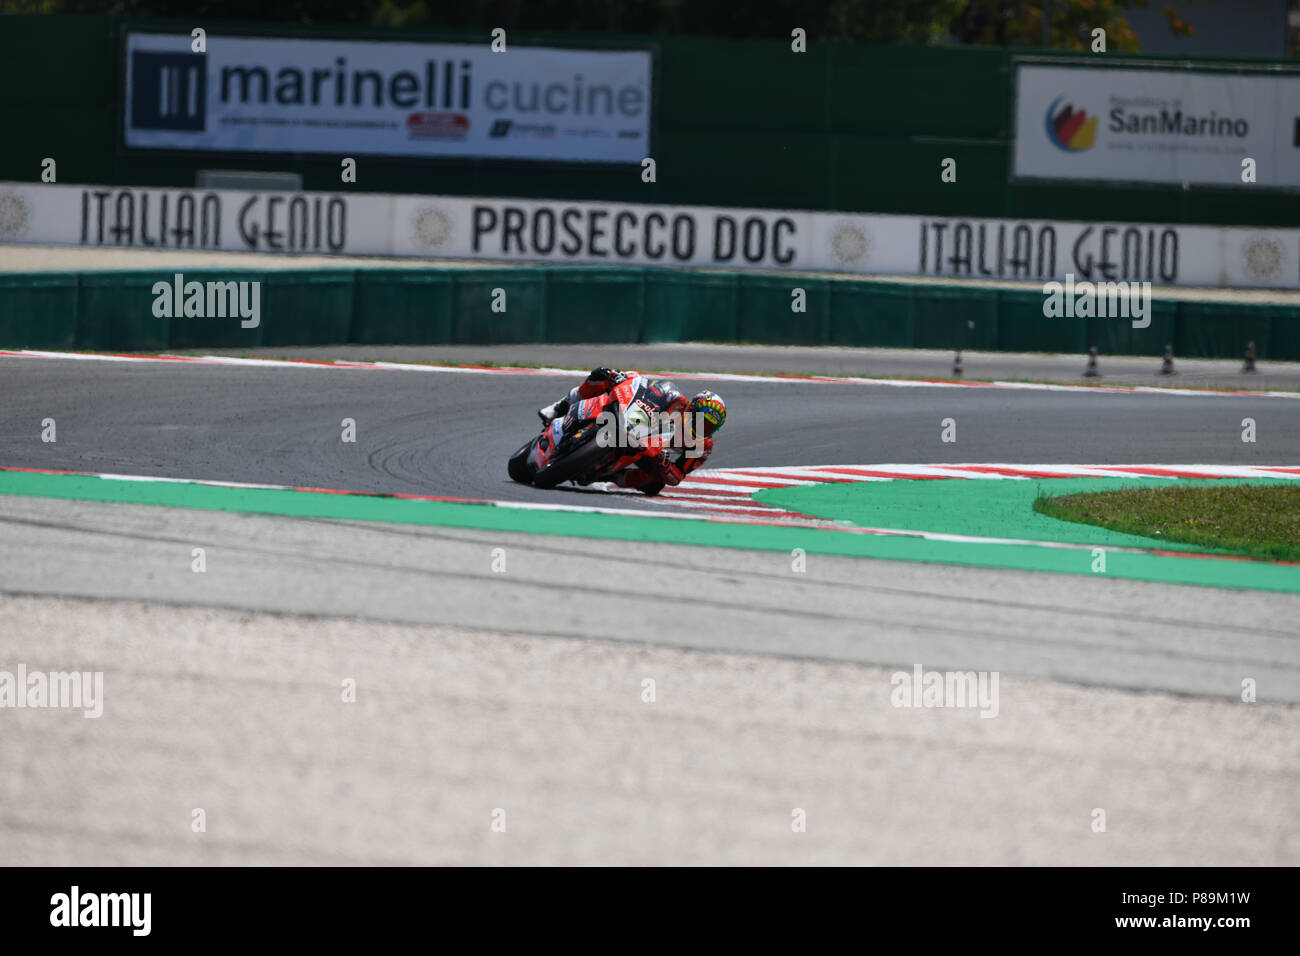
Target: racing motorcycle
pixel 599 437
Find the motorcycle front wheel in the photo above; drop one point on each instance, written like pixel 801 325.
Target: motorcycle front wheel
pixel 581 460
pixel 517 466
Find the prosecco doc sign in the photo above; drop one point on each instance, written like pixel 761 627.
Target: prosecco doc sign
pixel 625 234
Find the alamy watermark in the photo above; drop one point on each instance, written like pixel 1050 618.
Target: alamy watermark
pixel 209 300
pixel 129 910
pixel 922 688
pixel 73 689
pixel 1102 300
pixel 644 425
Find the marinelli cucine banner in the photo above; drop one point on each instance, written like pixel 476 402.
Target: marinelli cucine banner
pixel 386 98
pixel 622 234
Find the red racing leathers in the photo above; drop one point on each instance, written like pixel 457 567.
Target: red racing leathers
pixel 652 472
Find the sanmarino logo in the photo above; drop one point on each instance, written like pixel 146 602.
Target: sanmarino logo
pixel 1070 129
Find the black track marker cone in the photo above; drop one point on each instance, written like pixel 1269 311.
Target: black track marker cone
pixel 1092 371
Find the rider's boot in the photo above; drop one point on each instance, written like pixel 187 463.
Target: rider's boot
pixel 551 412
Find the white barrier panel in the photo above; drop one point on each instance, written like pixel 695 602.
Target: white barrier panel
pixel 623 234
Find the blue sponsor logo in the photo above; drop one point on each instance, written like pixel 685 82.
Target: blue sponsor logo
pixel 168 91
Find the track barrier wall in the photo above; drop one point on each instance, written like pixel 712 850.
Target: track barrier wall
pixel 114 311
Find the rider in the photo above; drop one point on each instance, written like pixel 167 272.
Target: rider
pixel 671 465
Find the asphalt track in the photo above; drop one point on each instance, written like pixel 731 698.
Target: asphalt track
pixel 523 690
pixel 449 434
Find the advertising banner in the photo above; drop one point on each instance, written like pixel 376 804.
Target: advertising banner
pixel 371 98
pixel 626 234
pixel 1178 127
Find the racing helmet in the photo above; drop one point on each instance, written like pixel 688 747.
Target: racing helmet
pixel 712 407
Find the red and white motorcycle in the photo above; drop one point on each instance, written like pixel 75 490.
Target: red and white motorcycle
pixel 600 437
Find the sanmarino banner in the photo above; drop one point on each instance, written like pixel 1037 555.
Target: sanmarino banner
pixel 1170 126
pixel 624 234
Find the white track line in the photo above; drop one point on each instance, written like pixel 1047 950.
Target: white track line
pixel 710 376
pixel 727 509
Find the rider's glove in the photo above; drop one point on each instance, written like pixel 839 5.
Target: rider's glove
pixel 600 375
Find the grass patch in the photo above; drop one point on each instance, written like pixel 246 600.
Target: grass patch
pixel 1260 521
